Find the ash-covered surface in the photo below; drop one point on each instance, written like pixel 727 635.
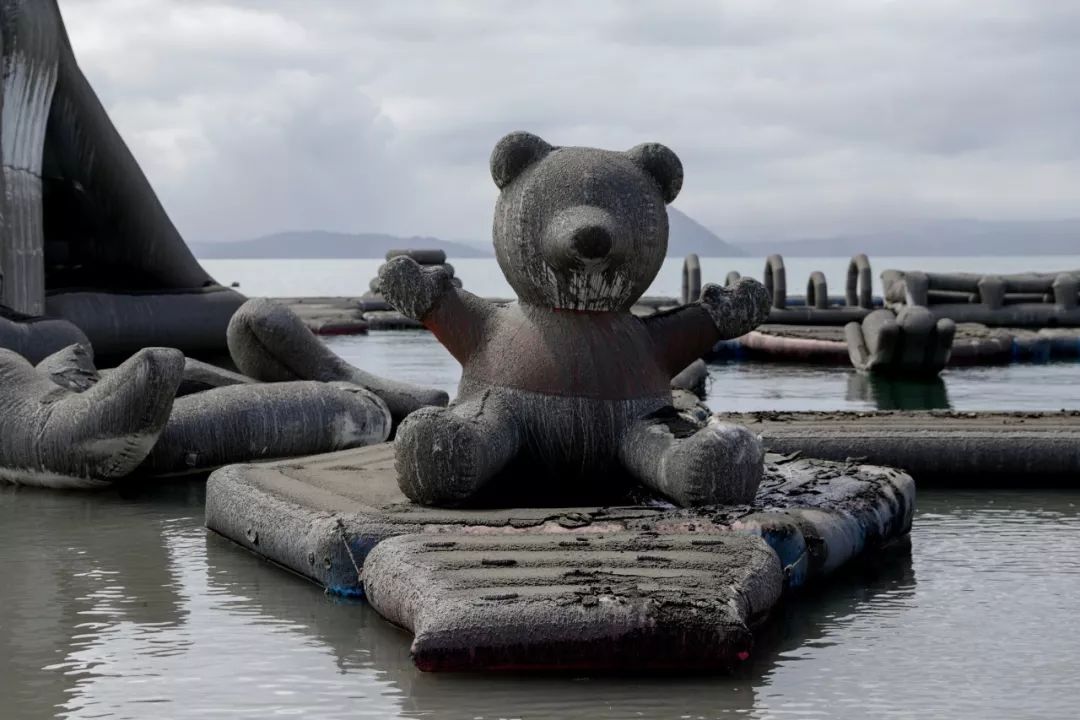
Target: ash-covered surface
pixel 635 601
pixel 1015 449
pixel 323 517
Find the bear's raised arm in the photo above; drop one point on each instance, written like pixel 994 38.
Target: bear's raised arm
pixel 458 318
pixel 684 334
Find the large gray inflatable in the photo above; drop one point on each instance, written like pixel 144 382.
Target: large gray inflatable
pixel 36 337
pixel 83 237
pixel 65 424
pixel 59 437
pixel 269 342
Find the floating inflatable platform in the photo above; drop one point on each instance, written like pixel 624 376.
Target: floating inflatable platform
pixel 1028 300
pixel 626 585
pixel 1021 449
pixel 328 315
pixel 974 344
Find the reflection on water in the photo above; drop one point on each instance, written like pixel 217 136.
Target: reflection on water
pixel 127 608
pixel 749 386
pixel 883 393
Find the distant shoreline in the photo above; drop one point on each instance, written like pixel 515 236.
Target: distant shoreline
pixel 748 254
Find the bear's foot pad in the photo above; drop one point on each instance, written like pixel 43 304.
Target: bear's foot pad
pixel 620 601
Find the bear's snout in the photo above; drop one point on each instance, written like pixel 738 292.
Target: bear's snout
pixel 592 242
pixel 580 238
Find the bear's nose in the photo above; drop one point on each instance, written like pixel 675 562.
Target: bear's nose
pixel 592 242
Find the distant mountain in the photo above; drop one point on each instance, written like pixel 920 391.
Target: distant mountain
pixel 939 238
pixel 686 236
pixel 319 244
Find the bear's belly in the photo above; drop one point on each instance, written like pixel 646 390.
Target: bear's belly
pixel 571 435
pixel 604 356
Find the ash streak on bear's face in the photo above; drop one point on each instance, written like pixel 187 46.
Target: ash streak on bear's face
pixel 580 228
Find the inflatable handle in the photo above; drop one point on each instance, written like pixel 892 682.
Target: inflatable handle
pixel 859 290
pixel 817 291
pixel 691 279
pixel 992 291
pixel 776 281
pixel 1066 289
pixel 916 289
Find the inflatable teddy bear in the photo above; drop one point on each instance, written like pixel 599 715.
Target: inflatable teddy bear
pixel 567 379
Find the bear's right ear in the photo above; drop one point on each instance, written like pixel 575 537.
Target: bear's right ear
pixel 662 164
pixel 513 154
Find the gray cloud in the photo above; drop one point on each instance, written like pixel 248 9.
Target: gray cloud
pixel 252 116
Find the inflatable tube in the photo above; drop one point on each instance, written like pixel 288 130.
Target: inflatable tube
pixel 808 315
pixel 992 349
pixel 778 347
pixel 1025 315
pixel 269 342
pixel 424 257
pixel 732 278
pixel 1061 343
pixel 979 449
pixel 79 217
pixel 36 337
pixel 200 377
pixel 391 320
pixel 817 291
pixel 118 324
pixel 691 279
pixel 776 281
pixel 374 302
pixel 55 437
pixel 795 302
pixel 247 422
pixel 938 297
pixel 859 289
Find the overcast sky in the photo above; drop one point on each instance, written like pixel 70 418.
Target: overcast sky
pixel 791 118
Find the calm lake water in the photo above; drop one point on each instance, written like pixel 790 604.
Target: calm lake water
pixel 123 606
pixel 416 356
pixel 120 605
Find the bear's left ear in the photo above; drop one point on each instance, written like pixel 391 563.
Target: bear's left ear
pixel 662 164
pixel 513 154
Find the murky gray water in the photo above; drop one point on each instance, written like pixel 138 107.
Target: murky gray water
pixel 746 386
pixel 120 604
pixel 125 607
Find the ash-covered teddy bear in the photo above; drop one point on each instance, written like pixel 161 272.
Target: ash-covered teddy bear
pixel 567 379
